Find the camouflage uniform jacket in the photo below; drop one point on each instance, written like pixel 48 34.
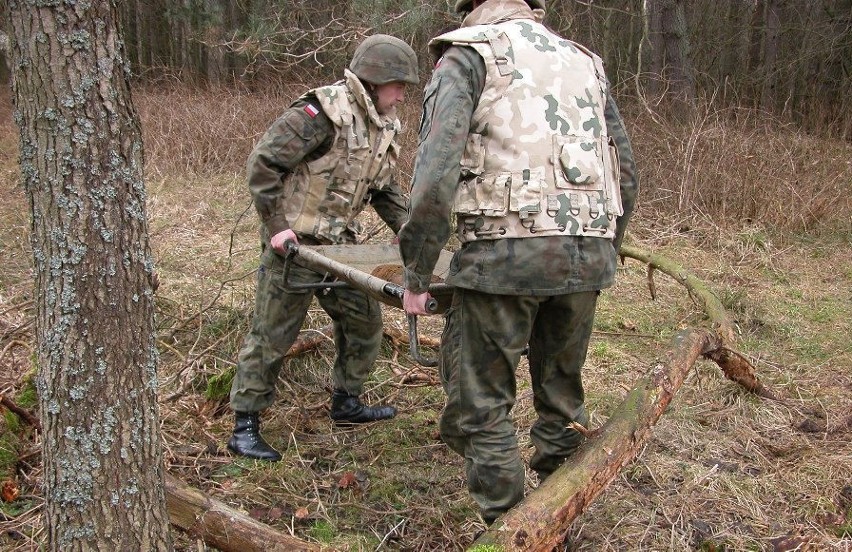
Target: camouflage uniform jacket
pixel 322 161
pixel 548 265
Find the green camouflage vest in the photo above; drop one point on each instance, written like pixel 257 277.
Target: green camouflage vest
pixel 329 192
pixel 538 160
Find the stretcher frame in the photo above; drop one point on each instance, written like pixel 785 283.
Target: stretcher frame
pixel 352 266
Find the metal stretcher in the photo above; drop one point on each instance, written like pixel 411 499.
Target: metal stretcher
pixel 360 267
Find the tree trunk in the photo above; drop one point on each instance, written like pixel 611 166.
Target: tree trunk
pixel 771 37
pixel 81 166
pixel 652 47
pixel 677 48
pixel 667 40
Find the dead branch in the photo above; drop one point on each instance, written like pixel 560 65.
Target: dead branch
pixel 399 337
pixel 219 525
pixel 28 417
pixel 714 309
pixel 310 339
pixel 541 521
pixel 737 368
pixel 734 365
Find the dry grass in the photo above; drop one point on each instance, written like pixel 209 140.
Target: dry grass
pixel 724 471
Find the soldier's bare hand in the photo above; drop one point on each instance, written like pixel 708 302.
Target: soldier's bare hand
pixel 279 241
pixel 415 303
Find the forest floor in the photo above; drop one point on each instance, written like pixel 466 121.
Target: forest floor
pixel 724 470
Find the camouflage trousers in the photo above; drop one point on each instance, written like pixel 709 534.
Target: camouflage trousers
pixel 483 340
pixel 278 316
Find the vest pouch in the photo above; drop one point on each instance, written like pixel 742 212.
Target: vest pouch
pixel 346 176
pixel 578 163
pixel 614 204
pixel 339 205
pixel 384 175
pixel 484 195
pixel 473 157
pixel 527 188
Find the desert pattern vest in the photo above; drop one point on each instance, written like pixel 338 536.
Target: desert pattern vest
pixel 328 193
pixel 538 160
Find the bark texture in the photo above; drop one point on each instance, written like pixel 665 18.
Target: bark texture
pixel 81 165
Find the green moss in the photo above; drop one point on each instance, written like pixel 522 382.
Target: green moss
pixel 8 454
pixel 844 530
pixel 230 470
pixel 322 531
pixel 28 398
pixel 486 548
pixel 219 387
pixel 16 508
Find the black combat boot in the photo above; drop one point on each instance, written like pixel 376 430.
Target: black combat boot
pixel 246 440
pixel 348 408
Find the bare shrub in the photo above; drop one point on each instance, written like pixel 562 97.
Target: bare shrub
pixel 740 167
pixel 206 131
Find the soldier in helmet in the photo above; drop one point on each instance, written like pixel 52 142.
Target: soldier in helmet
pixel 523 148
pixel 319 164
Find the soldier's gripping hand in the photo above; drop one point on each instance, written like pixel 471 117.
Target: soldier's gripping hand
pixel 279 240
pixel 415 303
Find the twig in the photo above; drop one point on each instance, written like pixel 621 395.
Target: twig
pixel 22 413
pixel 18 306
pixel 391 532
pixel 234 232
pixel 212 302
pixel 17 329
pixel 12 344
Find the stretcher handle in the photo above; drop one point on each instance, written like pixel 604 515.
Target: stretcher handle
pixel 372 285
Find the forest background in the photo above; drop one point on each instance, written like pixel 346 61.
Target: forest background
pixel 741 120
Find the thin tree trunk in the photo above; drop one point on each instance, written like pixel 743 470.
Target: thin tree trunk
pixel 771 38
pixel 677 52
pixel 652 50
pixel 755 58
pixel 81 166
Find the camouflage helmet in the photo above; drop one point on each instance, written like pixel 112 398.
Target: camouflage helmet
pixel 464 5
pixel 381 59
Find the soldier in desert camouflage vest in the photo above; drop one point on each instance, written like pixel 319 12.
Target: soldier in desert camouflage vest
pixel 523 149
pixel 314 170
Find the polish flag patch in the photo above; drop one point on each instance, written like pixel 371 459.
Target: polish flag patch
pixel 312 111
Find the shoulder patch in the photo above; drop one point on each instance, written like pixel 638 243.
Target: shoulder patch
pixel 438 63
pixel 311 111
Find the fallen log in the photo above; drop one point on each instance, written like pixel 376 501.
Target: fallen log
pixel 311 339
pixel 541 521
pixel 219 525
pixel 400 337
